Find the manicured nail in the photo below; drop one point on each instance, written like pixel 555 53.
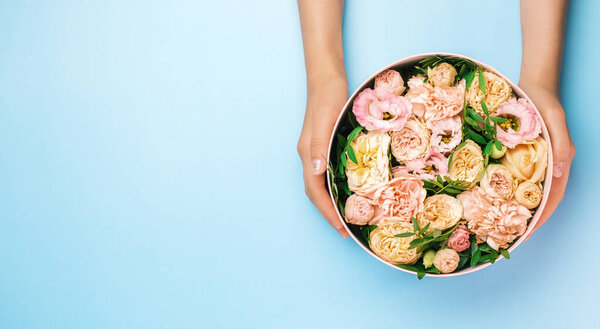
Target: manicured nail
pixel 317 166
pixel 558 169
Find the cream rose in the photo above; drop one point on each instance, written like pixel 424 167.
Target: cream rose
pixel 498 91
pixel 411 142
pixel 395 250
pixel 528 194
pixel 358 210
pixel 446 260
pixel 498 181
pixel 528 161
pixel 373 167
pixel 442 75
pixel 440 211
pixel 467 163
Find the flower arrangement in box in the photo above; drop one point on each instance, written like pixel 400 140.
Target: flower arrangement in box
pixel 444 173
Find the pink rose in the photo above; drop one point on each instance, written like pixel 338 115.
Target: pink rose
pixel 379 109
pixel 358 210
pixel 446 260
pixel 419 94
pixel 523 122
pixel 391 81
pixel 400 199
pixel 459 239
pixel 493 220
pixel 446 134
pixel 430 166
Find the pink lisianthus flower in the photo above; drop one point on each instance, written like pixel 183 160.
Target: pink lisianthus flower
pixel 379 109
pixel 446 134
pixel 523 122
pixel 493 220
pixel 390 80
pixel 430 166
pixel 401 199
pixel 459 239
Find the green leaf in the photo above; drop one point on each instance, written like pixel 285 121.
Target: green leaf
pixel 462 262
pixel 420 273
pixel 433 270
pixel 353 135
pixel 472 123
pixel 351 155
pixel 498 119
pixel 488 148
pixel 476 137
pixel 424 229
pixel 484 108
pixel 439 179
pixel 474 115
pixel 469 78
pixel 505 253
pixel 498 144
pixel 475 258
pixel 415 225
pixel 404 235
pixel 481 81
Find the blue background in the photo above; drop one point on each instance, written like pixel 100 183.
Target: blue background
pixel 149 177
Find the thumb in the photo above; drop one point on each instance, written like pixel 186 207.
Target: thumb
pixel 322 126
pixel 561 142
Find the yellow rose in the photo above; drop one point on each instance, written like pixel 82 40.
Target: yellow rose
pixel 497 90
pixel 395 250
pixel 467 163
pixel 528 161
pixel 440 211
pixel 373 167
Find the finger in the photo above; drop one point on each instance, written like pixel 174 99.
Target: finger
pixel 323 120
pixel 560 138
pixel 317 192
pixel 557 193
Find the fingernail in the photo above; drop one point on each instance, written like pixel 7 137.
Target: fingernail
pixel 558 169
pixel 317 166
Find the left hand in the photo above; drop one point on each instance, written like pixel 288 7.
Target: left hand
pixel 563 149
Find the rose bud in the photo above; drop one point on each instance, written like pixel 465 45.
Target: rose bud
pixel 442 75
pixel 390 80
pixel 497 153
pixel 446 260
pixel 528 194
pixel 358 210
pixel 459 239
pixel 428 258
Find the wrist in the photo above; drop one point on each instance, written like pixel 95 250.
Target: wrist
pixel 549 85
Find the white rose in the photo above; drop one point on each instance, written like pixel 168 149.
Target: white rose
pixel 373 167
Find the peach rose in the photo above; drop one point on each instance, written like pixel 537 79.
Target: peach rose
pixel 358 210
pixel 373 167
pixel 446 134
pixel 411 142
pixel 493 220
pixel 467 163
pixel 459 239
pixel 400 199
pixel 442 75
pixel 440 211
pixel 435 103
pixel 446 260
pixel 497 181
pixel 498 91
pixel 391 81
pixel 395 250
pixel 528 161
pixel 419 94
pixel 379 109
pixel 528 194
pixel 523 122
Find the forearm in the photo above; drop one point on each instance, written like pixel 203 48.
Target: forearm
pixel 542 28
pixel 321 22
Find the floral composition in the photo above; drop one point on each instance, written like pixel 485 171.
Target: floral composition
pixel 440 173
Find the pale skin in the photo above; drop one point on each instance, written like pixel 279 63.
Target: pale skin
pixel 542 28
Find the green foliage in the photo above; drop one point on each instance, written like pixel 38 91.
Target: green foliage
pixel 444 185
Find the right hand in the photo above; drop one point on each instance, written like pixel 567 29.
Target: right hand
pixel 324 104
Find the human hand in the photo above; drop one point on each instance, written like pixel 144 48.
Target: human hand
pixel 324 103
pixel 563 149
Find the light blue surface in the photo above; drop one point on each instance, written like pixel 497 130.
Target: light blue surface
pixel 149 177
